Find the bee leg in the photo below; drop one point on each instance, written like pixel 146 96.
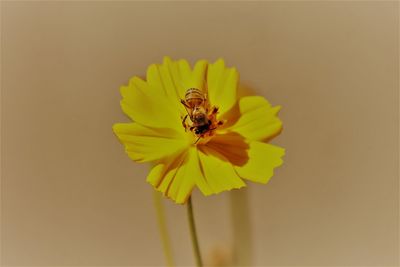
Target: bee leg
pixel 184 124
pixel 197 140
pixel 214 111
pixel 184 103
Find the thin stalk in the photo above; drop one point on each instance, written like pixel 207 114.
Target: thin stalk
pixel 241 224
pixel 165 240
pixel 193 235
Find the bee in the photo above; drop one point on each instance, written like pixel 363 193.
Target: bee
pixel 201 114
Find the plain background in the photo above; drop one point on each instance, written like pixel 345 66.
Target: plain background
pixel 70 195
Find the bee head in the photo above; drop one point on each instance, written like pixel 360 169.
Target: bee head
pixel 199 118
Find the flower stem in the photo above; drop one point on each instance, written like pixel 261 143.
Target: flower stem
pixel 241 224
pixel 165 240
pixel 192 226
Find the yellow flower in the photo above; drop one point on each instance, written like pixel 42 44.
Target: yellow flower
pixel 215 154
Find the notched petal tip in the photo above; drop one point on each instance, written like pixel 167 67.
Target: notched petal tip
pixel 277 109
pixel 220 62
pixel 167 61
pixel 118 127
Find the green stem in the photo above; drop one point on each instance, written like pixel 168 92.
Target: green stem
pixel 241 224
pixel 165 240
pixel 192 226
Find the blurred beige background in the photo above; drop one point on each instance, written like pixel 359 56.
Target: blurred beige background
pixel 70 195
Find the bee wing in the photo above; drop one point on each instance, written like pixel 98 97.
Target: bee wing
pixel 188 109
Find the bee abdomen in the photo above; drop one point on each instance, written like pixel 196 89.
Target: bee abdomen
pixel 194 93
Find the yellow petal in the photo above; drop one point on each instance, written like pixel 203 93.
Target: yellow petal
pixel 171 177
pixel 232 146
pixel 148 105
pixel 149 144
pixel 218 171
pixel 177 183
pixel 173 78
pixel 222 85
pixel 176 177
pixel 263 158
pixel 258 120
pixel 198 76
pixel 195 170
